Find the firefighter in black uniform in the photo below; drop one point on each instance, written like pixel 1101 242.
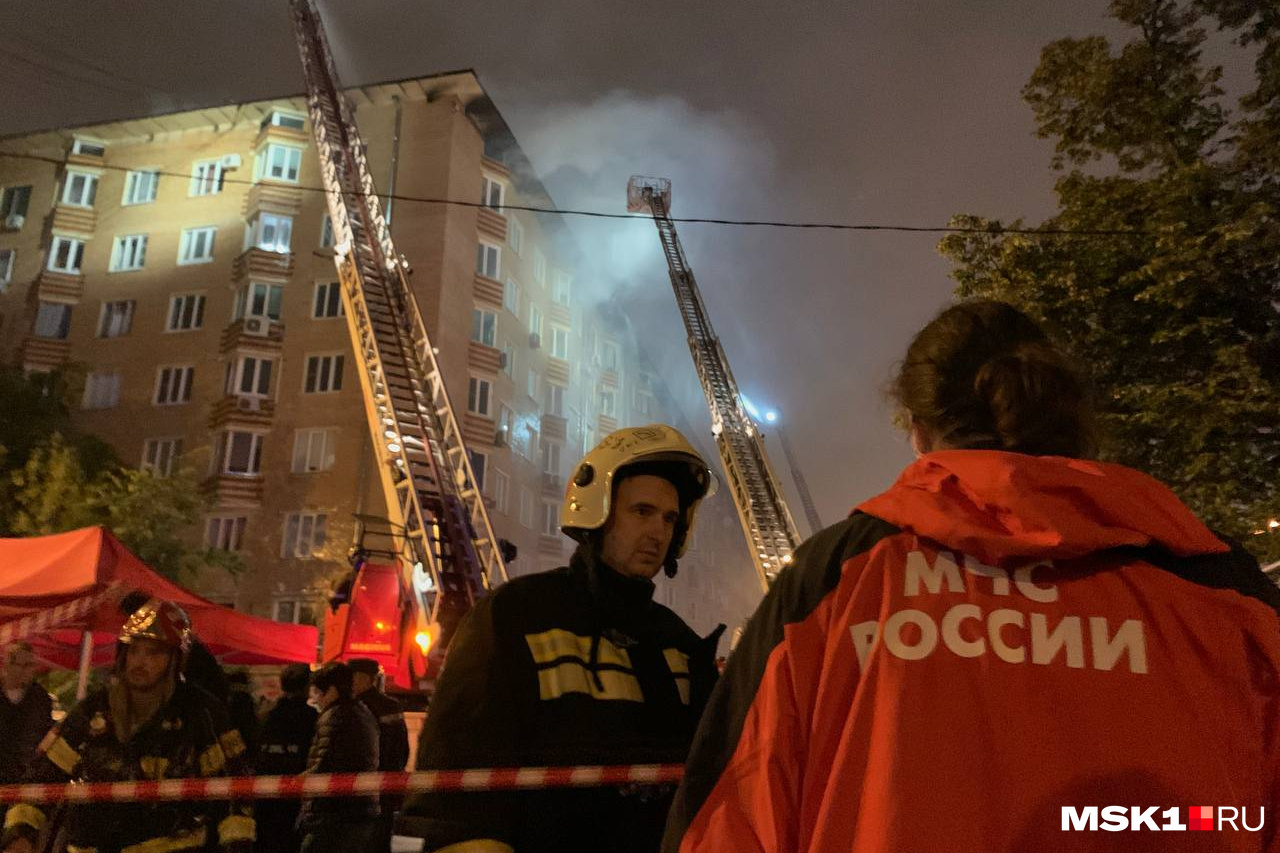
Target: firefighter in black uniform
pixel 393 739
pixel 577 666
pixel 149 723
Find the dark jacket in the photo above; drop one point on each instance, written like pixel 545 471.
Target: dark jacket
pixel 572 666
pixel 22 725
pixel 995 638
pixel 188 737
pixel 346 741
pixel 393 737
pixel 285 737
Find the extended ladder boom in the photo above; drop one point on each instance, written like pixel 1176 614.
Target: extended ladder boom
pixel 766 521
pixel 450 553
pixel 802 486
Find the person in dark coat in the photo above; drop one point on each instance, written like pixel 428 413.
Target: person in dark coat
pixel 393 740
pixel 26 713
pixel 283 742
pixel 346 741
pixel 243 714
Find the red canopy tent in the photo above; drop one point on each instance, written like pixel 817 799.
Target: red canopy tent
pixel 43 572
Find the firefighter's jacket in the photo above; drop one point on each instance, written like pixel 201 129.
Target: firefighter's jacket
pixel 995 638
pixel 189 736
pixel 573 666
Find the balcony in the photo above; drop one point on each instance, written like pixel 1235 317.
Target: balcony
pixel 488 291
pixel 259 263
pixel 477 429
pixel 560 314
pixel 46 353
pixel 59 286
pixel 552 485
pixel 256 333
pixel 273 197
pixel 491 224
pixel 554 427
pixel 606 424
pixel 246 411
pixel 279 133
pixel 558 371
pixel 609 376
pixel 485 358
pixel 234 489
pixel 68 219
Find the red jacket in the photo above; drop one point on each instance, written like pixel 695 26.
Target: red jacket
pixel 994 638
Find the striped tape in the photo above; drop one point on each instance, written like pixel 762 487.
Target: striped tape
pixel 56 617
pixel 345 784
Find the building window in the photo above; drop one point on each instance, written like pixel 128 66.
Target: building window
pixel 295 612
pixel 66 255
pixel 324 374
pixel 173 385
pixel 79 189
pixel 206 177
pixel 313 450
pixel 326 232
pixel 487 260
pixel 280 118
pixel 508 359
pixel 280 163
pixel 197 245
pixel 271 232
pixel 531 386
pixel 499 489
pixel 140 187
pixel 491 193
pixel 479 462
pixel 101 390
pixel 328 301
pixel 515 235
pixel 555 399
pixel 511 297
pixel 242 453
pixel 609 355
pixel 559 343
pixel 53 320
pixel 186 312
pixel 484 327
pixel 258 300
pixel 116 319
pixel 160 454
pixel 550 457
pixel 250 376
pixel 608 404
pixel 563 290
pixel 644 403
pixel 535 321
pixel 550 519
pixel 478 396
pixel 506 421
pixel 8 257
pixel 304 534
pixel 526 507
pixel 13 206
pixel 128 253
pixel 539 267
pixel 88 147
pixel 225 532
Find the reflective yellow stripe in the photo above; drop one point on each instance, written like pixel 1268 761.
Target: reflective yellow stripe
pixel 558 643
pixel 63 756
pixel 237 828
pixel 71 848
pixel 572 677
pixel 678 663
pixel 477 845
pixel 232 743
pixel 154 766
pixel 169 843
pixel 212 760
pixel 21 814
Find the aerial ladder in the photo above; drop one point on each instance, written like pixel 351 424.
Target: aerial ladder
pixel 802 485
pixel 447 554
pixel 771 533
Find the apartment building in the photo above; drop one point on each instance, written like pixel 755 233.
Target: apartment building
pixel 186 261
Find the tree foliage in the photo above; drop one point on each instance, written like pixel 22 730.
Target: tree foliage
pixel 54 478
pixel 1177 314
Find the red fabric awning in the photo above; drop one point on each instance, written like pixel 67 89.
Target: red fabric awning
pixel 43 571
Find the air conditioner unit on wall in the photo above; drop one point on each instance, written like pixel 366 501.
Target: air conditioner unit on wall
pixel 260 326
pixel 249 404
pixel 14 221
pixel 500 438
pixel 230 161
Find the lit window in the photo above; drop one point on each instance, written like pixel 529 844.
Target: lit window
pixel 140 187
pixel 225 533
pixel 271 232
pixel 101 390
pixel 280 163
pixel 160 454
pixel 116 319
pixel 66 255
pixel 129 253
pixel 173 385
pixel 478 396
pixel 487 260
pixel 314 450
pixel 324 374
pixel 304 534
pixel 53 320
pixel 328 301
pixel 206 177
pixel 79 189
pixel 484 327
pixel 242 453
pixel 197 245
pixel 186 312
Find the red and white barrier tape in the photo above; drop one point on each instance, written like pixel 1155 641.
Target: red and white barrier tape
pixel 344 784
pixel 56 617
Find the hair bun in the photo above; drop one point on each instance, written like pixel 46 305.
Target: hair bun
pixel 1035 399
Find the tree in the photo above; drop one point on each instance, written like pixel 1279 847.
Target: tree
pixel 50 483
pixel 1167 282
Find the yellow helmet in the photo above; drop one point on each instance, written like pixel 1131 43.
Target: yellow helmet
pixel 590 490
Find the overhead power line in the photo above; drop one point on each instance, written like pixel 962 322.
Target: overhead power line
pixel 701 220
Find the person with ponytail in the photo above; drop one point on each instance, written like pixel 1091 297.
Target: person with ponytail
pixel 1011 634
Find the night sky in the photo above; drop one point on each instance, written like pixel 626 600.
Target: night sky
pixel 878 113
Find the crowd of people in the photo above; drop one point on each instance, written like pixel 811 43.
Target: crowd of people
pixel 1013 628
